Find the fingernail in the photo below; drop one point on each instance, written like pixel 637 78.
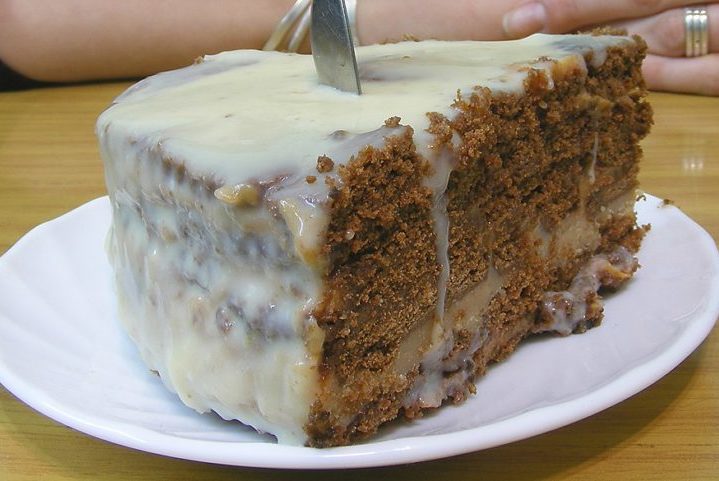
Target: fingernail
pixel 524 20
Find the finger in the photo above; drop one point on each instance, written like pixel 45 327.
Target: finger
pixel 567 15
pixel 696 75
pixel 560 16
pixel 664 32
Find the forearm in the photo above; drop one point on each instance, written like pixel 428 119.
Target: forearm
pixel 73 40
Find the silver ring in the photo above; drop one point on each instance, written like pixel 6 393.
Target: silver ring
pixel 696 31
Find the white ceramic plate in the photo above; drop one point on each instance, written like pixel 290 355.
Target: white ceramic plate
pixel 63 353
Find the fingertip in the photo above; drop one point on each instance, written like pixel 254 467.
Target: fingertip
pixel 524 20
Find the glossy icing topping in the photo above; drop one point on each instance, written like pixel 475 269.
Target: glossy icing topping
pixel 253 114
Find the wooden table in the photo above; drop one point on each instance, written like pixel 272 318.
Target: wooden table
pixel 49 164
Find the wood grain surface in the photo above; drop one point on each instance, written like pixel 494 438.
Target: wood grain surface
pixel 49 165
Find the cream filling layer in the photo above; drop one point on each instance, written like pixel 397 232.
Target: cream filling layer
pixel 443 372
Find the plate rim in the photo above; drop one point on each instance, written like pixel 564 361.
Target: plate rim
pixel 402 450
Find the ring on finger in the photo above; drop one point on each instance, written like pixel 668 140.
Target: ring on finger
pixel 696 31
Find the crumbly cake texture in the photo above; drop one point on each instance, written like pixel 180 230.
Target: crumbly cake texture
pixel 382 278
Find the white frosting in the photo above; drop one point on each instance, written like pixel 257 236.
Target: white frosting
pixel 249 114
pixel 216 289
pixel 215 302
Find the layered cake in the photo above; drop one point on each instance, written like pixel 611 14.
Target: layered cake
pixel 315 263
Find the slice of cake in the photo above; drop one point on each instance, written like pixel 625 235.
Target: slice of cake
pixel 315 263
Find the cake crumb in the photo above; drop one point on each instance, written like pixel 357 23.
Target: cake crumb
pixel 324 164
pixel 666 202
pixel 311 179
pixel 392 122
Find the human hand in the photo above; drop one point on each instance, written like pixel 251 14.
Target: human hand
pixel 659 22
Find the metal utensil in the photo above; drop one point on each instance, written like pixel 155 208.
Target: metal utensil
pixel 332 47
